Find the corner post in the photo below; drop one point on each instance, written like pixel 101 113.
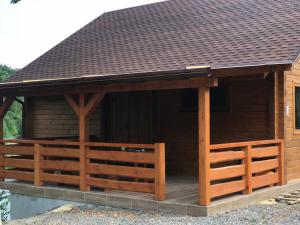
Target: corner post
pixel 1 137
pixel 160 176
pixel 282 179
pixel 204 145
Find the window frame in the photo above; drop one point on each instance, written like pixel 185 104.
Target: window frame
pixel 296 130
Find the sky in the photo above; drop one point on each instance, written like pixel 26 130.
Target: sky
pixel 31 27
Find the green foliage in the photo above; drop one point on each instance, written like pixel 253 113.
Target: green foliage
pixel 4 204
pixel 14 1
pixel 6 72
pixel 12 126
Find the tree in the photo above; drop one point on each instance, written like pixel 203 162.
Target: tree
pixel 12 125
pixel 14 1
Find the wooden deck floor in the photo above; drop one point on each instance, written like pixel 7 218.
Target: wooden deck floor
pixel 182 190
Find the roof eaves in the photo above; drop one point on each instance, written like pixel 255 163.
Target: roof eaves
pixel 189 71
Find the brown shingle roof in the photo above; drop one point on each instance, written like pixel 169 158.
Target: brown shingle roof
pixel 175 34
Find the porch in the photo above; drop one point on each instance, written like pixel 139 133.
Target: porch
pixel 245 163
pixel 234 168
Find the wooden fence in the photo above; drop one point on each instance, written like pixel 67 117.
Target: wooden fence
pixel 130 167
pixel 245 166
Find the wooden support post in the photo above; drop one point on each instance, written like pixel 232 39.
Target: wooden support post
pixel 37 165
pixel 1 136
pixel 248 166
pixel 282 179
pixel 204 145
pixel 160 174
pixel 83 137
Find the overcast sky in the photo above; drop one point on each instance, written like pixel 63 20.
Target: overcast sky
pixel 31 27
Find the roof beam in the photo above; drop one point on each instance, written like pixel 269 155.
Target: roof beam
pixel 119 87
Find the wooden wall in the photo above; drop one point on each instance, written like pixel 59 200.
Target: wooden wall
pixel 248 117
pixel 128 117
pixel 178 129
pixel 51 116
pixel 292 137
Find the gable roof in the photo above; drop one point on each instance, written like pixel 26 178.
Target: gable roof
pixel 173 35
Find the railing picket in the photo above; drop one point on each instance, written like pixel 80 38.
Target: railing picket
pixel 86 164
pixel 249 169
pixel 37 165
pixel 257 174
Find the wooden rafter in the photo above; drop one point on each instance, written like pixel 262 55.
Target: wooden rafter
pixel 72 103
pixel 93 102
pixel 5 106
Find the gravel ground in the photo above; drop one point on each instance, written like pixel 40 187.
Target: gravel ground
pixel 258 214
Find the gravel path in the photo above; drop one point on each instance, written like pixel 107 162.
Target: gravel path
pixel 257 214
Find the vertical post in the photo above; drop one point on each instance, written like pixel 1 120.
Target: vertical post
pixel 281 164
pixel 248 166
pixel 1 137
pixel 204 145
pixel 160 174
pixel 276 106
pixel 83 137
pixel 37 165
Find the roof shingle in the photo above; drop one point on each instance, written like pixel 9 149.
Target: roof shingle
pixel 172 35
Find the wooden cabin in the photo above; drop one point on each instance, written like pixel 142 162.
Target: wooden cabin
pixel 200 90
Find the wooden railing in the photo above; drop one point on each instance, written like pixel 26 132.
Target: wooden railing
pixel 130 167
pixel 245 166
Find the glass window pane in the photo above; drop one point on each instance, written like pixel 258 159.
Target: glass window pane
pixel 297 107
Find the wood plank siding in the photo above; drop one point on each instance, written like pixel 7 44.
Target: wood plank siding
pixel 51 116
pixel 292 136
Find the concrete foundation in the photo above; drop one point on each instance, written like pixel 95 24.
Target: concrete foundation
pixel 28 200
pixel 25 206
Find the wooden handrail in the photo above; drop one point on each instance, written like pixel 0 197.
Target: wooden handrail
pixel 244 144
pixel 119 145
pixel 152 179
pixel 74 143
pixel 41 142
pixel 261 165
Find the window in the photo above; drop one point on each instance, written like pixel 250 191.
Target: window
pixel 297 107
pixel 219 100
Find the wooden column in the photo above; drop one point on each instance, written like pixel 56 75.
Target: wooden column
pixel 83 137
pixel 5 104
pixel 204 143
pixel 248 166
pixel 276 106
pixel 1 137
pixel 84 110
pixel 160 174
